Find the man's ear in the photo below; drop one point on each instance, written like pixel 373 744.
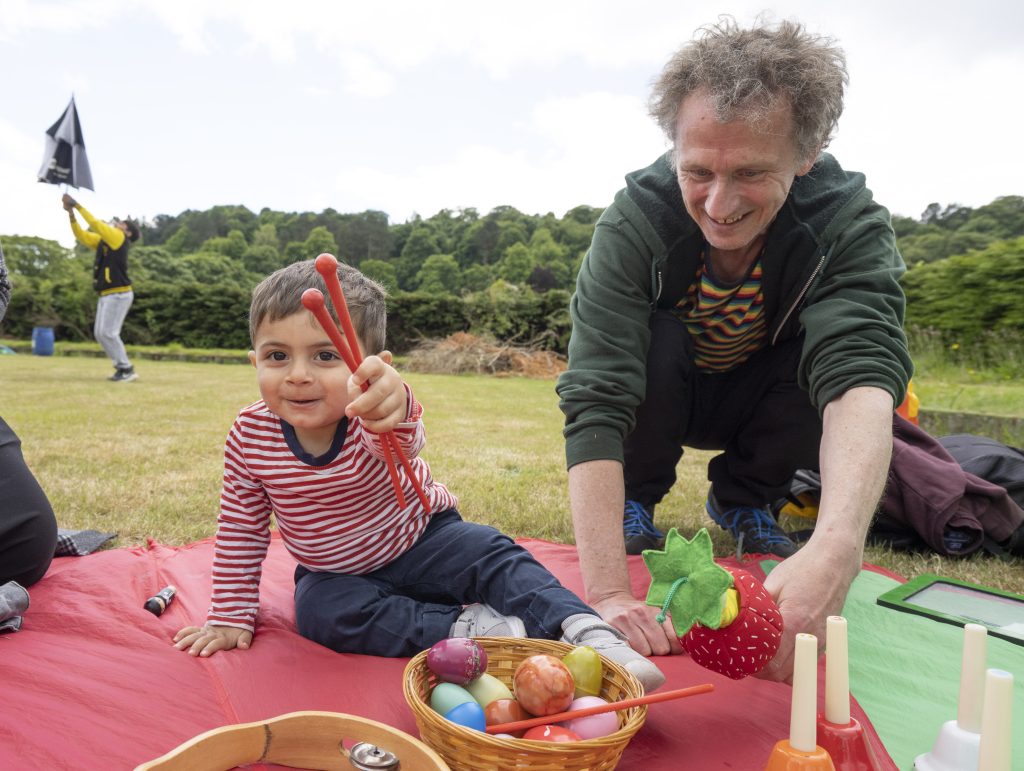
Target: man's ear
pixel 252 358
pixel 806 166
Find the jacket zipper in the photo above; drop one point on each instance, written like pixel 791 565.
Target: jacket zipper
pixel 799 298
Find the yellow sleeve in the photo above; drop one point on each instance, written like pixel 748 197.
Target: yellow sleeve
pixel 92 240
pixel 113 236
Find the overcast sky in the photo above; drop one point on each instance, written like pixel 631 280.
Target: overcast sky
pixel 412 107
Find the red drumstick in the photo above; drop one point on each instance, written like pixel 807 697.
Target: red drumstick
pixel 327 266
pixel 313 301
pixel 614 706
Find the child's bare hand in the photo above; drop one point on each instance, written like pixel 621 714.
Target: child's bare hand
pixel 383 405
pixel 206 640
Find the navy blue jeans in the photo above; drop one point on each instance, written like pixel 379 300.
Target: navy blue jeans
pixel 756 413
pixel 411 603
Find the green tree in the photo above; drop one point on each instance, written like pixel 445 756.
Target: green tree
pixel 320 240
pixel 517 264
pixel 232 245
pixel 37 257
pixel 262 259
pixel 440 274
pixel 421 244
pixel 381 272
pixel 477 278
pixel 967 295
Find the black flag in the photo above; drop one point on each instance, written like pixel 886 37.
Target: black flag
pixel 64 162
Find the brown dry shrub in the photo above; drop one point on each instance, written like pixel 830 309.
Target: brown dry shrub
pixel 464 353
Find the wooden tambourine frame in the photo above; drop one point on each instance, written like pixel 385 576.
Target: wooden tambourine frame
pixel 311 740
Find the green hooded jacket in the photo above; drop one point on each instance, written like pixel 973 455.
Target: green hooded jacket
pixel 830 274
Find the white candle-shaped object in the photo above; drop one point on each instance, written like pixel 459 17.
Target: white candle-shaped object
pixel 837 672
pixel 803 724
pixel 972 678
pixel 996 732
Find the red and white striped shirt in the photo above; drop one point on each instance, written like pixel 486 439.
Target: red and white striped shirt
pixel 341 516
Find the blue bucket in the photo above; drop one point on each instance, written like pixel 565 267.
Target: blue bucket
pixel 42 341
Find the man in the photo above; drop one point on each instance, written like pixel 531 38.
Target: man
pixel 740 294
pixel 110 279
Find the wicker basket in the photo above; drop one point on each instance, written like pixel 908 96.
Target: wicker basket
pixel 467 750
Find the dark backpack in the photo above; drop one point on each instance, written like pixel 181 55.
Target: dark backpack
pixel 993 461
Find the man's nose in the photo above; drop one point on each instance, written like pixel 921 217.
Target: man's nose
pixel 721 199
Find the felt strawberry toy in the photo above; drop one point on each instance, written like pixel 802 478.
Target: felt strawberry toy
pixel 724 617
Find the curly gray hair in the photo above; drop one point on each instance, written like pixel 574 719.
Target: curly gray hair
pixel 747 72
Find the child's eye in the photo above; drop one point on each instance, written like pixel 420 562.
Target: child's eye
pixel 277 356
pixel 326 356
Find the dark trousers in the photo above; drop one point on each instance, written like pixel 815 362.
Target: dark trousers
pixel 28 528
pixel 411 603
pixel 756 414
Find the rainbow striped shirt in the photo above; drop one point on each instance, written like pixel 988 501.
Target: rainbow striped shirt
pixel 726 321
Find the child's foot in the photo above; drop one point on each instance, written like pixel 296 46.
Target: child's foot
pixel 592 631
pixel 481 620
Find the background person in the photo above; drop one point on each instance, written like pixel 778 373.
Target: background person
pixel 740 294
pixel 110 279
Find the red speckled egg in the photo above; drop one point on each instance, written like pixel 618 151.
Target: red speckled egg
pixel 543 685
pixel 457 660
pixel 551 733
pixel 505 711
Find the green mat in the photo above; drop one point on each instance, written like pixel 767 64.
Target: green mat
pixel 905 670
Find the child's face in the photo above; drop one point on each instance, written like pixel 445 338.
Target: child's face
pixel 302 377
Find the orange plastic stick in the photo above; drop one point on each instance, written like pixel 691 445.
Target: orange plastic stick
pixel 327 266
pixel 313 301
pixel 615 706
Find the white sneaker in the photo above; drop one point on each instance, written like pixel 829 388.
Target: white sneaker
pixel 479 620
pixel 592 631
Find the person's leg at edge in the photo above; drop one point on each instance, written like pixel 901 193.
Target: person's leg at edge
pixel 28 527
pixel 653 448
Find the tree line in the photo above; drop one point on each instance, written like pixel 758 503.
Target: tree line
pixel 504 273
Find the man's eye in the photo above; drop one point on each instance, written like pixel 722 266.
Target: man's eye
pixel 750 174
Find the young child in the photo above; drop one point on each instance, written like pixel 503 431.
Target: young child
pixel 372 577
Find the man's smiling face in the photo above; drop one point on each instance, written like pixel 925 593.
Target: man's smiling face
pixel 734 177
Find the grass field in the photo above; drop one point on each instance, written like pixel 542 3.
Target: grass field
pixel 144 459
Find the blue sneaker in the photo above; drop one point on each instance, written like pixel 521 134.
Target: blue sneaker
pixel 639 530
pixel 755 529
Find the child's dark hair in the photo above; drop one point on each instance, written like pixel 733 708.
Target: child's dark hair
pixel 280 295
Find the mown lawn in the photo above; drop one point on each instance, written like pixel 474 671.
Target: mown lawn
pixel 144 459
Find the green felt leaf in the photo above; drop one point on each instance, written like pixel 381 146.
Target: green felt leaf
pixel 686 582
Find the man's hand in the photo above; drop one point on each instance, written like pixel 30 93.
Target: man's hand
pixel 596 495
pixel 68 202
pixel 636 620
pixel 808 588
pixel 206 640
pixel 384 404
